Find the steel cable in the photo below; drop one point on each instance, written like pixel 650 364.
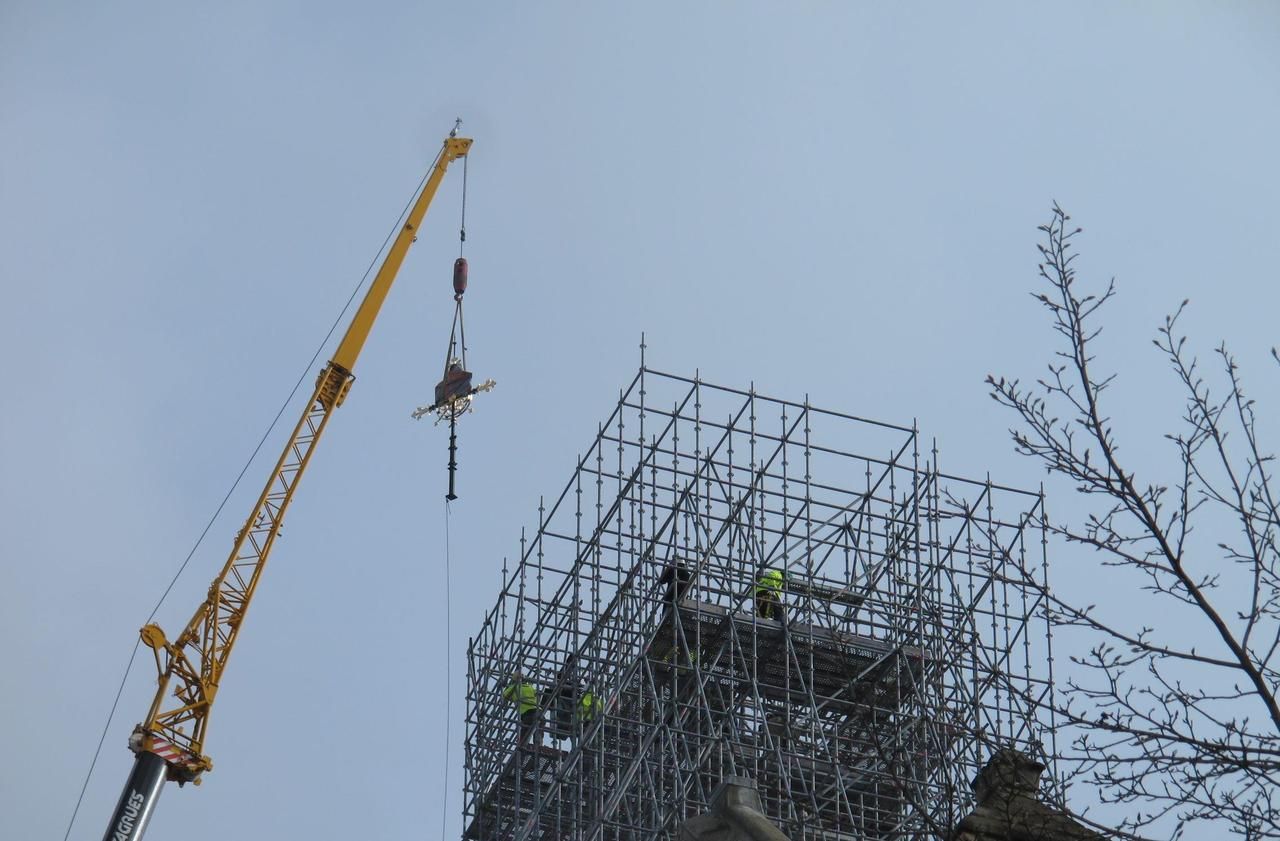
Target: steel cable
pixel 448 672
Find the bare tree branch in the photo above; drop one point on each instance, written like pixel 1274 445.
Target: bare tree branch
pixel 1179 732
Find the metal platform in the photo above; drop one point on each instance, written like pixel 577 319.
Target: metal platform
pixel 518 792
pixel 842 672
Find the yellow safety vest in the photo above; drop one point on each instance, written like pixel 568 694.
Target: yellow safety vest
pixel 770 582
pixel 588 707
pixel 523 695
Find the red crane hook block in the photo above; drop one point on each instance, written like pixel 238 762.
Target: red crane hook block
pixel 459 277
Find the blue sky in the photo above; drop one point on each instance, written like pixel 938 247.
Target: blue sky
pixel 832 199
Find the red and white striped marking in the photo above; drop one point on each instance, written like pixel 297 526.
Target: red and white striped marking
pixel 165 750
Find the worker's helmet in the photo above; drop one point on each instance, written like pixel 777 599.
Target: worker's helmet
pixel 771 576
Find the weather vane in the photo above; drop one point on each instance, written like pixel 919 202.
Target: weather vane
pixel 455 392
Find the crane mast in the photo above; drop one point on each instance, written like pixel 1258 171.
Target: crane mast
pixel 169 743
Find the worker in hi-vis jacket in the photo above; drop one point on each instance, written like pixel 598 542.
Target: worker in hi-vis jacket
pixel 769 595
pixel 524 697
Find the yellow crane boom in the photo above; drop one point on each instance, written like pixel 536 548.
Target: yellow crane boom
pixel 169 743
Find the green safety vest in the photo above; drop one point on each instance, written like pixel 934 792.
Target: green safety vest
pixel 770 582
pixel 588 707
pixel 523 695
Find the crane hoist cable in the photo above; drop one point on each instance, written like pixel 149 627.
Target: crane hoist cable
pixel 448 501
pixel 462 229
pixel 456 391
pixel 448 671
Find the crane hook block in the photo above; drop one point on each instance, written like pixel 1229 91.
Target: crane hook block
pixel 459 277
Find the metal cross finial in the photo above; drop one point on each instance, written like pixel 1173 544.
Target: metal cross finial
pixel 453 456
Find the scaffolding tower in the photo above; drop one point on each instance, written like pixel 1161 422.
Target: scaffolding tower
pixel 860 700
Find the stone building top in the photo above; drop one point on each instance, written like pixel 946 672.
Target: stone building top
pixel 1010 810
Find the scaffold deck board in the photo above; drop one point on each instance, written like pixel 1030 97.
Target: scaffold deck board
pixel 799 664
pixel 527 776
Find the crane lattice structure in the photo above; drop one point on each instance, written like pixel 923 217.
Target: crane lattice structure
pixel 900 660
